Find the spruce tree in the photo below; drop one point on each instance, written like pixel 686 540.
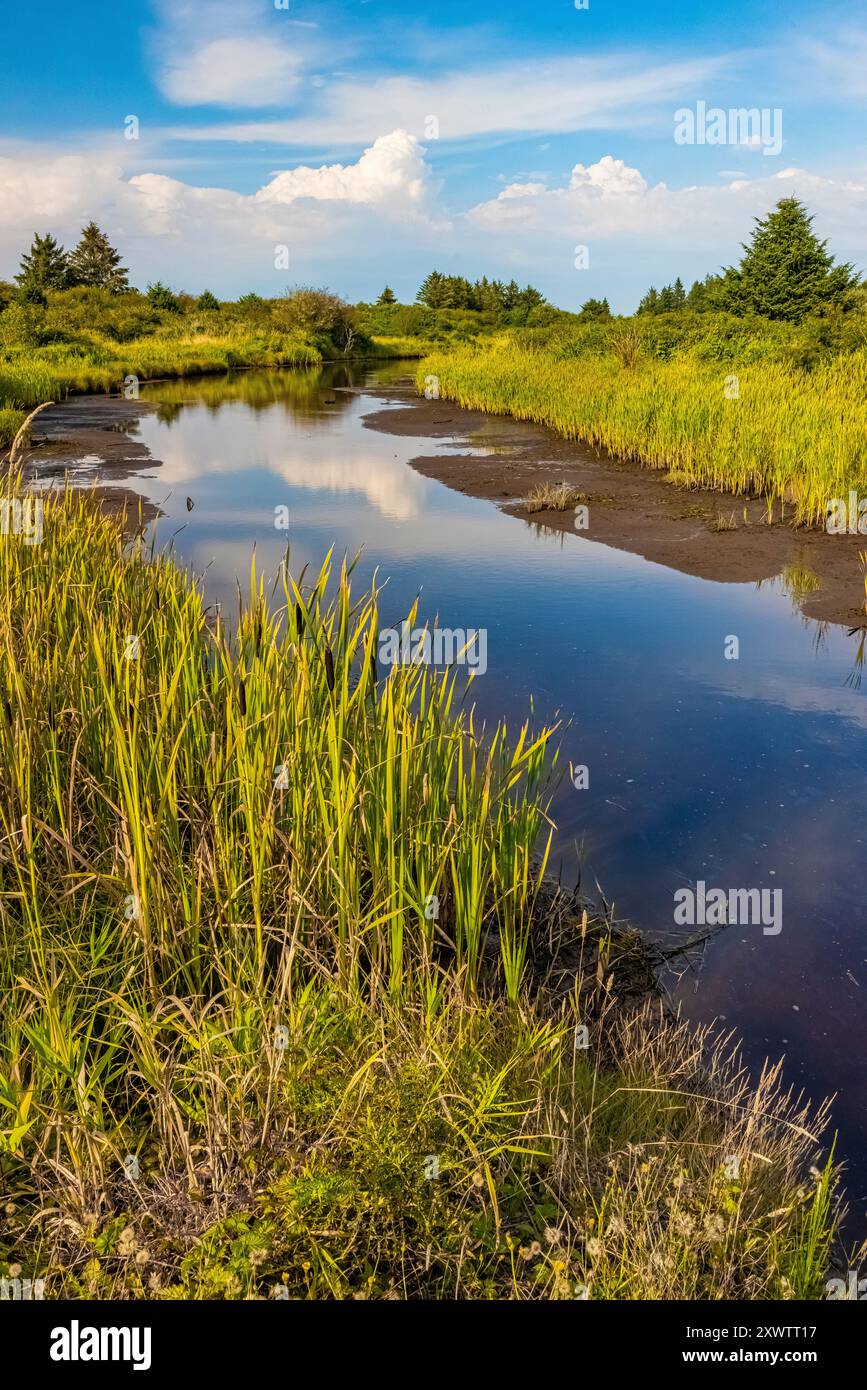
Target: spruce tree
pixel 786 271
pixel 43 267
pixel 433 291
pixel 387 296
pixel 650 302
pixel 666 299
pixel 207 301
pixel 95 262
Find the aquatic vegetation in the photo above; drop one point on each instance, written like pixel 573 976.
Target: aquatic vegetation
pixel 552 497
pixel 288 1001
pixel 769 429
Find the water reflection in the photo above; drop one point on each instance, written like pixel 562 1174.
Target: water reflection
pixel 743 773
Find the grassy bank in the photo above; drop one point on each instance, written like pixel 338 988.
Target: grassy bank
pixel 796 435
pixel 288 1002
pixel 83 340
pixel 31 375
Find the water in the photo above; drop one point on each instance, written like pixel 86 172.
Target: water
pixel 746 773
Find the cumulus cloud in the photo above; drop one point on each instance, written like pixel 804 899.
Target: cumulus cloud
pixel 333 219
pixel 355 224
pixel 392 170
pixel 610 202
pixel 609 178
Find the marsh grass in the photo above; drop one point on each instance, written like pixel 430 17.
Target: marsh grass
pixel 219 852
pixel 552 497
pixel 793 436
pixel 30 375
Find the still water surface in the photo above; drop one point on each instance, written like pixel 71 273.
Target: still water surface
pixel 747 773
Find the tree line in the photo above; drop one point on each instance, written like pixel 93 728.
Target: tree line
pixel 94 262
pixel 438 291
pixel 785 273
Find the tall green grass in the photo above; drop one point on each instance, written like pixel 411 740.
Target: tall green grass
pixel 766 429
pixel 272 923
pixel 31 375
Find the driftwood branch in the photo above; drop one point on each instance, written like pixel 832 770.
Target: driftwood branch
pixel 22 432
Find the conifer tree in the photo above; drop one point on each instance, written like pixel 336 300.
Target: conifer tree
pixel 95 262
pixel 786 271
pixel 43 267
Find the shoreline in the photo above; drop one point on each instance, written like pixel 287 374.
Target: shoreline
pixel 631 507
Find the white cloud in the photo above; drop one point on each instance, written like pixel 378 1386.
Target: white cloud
pixel 233 53
pixel 356 224
pixel 610 203
pixel 610 178
pixel 231 72
pixel 391 170
pixel 559 94
pixel 334 219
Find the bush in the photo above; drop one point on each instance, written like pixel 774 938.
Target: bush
pixel 161 297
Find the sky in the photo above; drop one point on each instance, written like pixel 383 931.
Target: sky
pixel 241 145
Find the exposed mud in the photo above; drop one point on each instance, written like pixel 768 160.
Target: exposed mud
pixel 712 535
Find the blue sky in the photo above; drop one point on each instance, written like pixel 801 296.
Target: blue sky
pixel 490 139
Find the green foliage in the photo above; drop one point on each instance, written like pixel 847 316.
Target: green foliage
pixel 665 301
pixel 438 291
pixel 207 302
pixel 161 297
pixel 328 1092
pixel 96 263
pixel 593 309
pixel 670 410
pixel 321 316
pixel 387 296
pixel 786 271
pixel 44 267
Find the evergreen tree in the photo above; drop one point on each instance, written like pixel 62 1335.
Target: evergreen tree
pixel 530 298
pixel 387 296
pixel 595 309
pixel 207 301
pixel 433 291
pixel 650 302
pixel 489 295
pixel 666 299
pixel 511 294
pixel 704 294
pixel 95 262
pixel 161 297
pixel 697 297
pixel 678 293
pixel 786 271
pixel 43 267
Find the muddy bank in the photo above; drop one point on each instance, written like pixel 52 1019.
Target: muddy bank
pixel 88 429
pixel 709 534
pixel 85 439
